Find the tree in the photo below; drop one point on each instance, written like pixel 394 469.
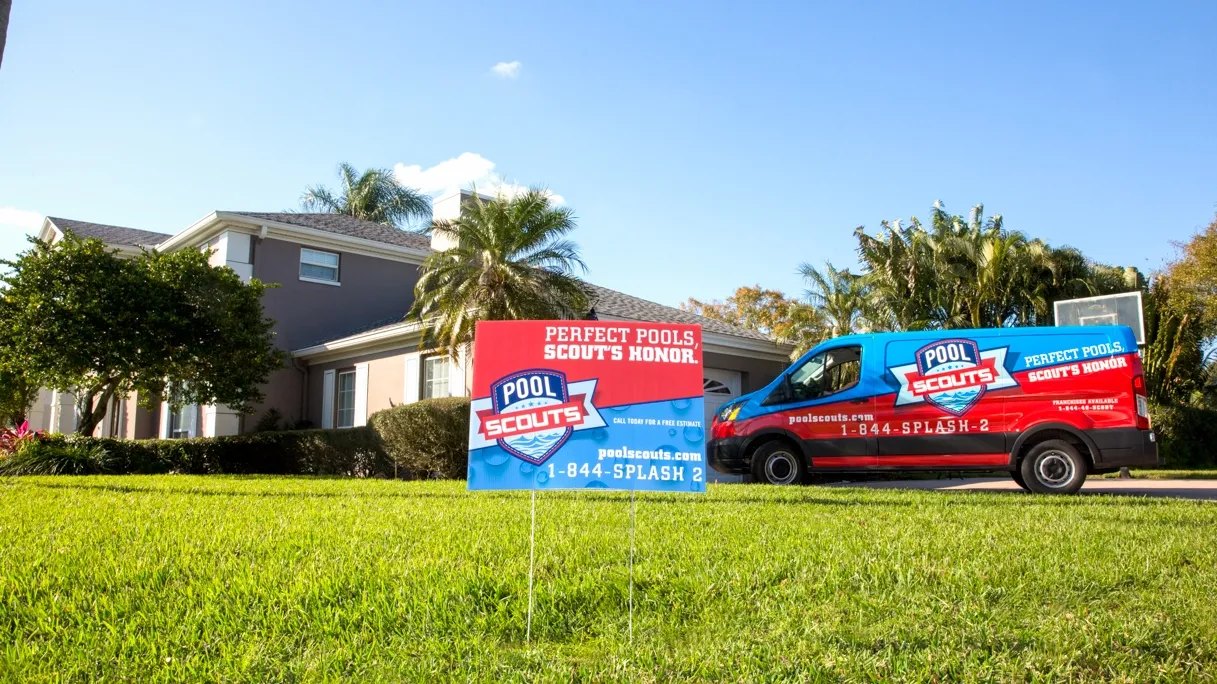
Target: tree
pixel 375 195
pixel 78 318
pixel 1194 275
pixel 17 395
pixel 973 273
pixel 768 312
pixel 839 296
pixel 5 7
pixel 511 260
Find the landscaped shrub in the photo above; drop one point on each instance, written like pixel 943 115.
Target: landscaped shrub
pixel 429 438
pixel 1187 435
pixel 354 451
pixel 55 457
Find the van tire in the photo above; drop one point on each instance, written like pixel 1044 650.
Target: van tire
pixel 778 463
pixel 1053 466
pixel 1017 475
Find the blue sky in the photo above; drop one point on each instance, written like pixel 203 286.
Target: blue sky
pixel 703 146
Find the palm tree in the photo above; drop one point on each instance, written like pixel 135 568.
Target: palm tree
pixel 511 261
pixel 838 295
pixel 375 195
pixel 5 7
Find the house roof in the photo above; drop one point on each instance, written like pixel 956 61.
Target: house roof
pixel 605 302
pixel 111 235
pixel 620 305
pixel 344 225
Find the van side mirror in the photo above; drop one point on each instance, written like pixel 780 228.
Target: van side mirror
pixel 780 394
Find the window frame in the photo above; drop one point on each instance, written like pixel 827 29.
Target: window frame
pixel 338 392
pixel 424 363
pixel 337 266
pixel 794 398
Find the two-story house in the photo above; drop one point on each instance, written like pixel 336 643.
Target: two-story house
pixel 344 286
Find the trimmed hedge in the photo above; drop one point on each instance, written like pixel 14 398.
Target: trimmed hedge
pixel 1187 435
pixel 354 452
pixel 429 438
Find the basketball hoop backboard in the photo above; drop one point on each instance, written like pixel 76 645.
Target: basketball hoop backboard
pixel 1117 309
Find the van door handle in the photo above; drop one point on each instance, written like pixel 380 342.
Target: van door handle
pixel 859 401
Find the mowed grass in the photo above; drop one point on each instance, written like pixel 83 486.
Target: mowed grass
pixel 181 578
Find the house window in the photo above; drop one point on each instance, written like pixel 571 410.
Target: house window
pixel 181 422
pixel 318 266
pixel 435 377
pixel 346 399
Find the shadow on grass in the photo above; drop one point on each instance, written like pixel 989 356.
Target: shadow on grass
pixel 791 497
pixel 808 496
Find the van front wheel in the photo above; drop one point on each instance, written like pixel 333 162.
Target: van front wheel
pixel 777 463
pixel 1053 467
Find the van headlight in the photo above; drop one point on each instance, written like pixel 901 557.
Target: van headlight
pixel 728 413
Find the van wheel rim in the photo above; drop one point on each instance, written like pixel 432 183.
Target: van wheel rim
pixel 1054 469
pixel 780 468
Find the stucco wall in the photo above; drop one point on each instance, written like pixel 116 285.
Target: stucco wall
pixel 371 290
pixel 283 393
pixel 386 380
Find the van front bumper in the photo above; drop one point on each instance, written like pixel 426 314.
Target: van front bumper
pixel 727 456
pixel 1125 448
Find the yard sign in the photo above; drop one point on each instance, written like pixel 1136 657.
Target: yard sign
pixel 587 404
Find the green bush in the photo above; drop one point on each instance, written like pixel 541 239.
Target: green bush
pixel 1187 435
pixel 46 457
pixel 355 452
pixel 429 438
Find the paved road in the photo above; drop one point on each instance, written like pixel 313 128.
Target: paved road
pixel 1185 489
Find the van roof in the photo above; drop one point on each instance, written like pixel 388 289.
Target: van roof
pixel 1121 330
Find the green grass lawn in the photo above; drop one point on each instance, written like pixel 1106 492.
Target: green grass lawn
pixel 1165 474
pixel 180 578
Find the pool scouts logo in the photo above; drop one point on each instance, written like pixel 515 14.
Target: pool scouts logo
pixel 952 375
pixel 531 414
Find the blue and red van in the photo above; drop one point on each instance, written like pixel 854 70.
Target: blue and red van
pixel 1049 405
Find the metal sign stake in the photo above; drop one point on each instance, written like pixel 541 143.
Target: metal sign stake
pixel 532 548
pixel 631 566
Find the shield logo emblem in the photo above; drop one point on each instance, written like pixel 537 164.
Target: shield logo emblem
pixel 949 356
pixel 531 390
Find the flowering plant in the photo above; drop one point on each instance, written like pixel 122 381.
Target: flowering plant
pixel 11 440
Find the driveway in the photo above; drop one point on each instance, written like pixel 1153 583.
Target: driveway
pixel 1183 489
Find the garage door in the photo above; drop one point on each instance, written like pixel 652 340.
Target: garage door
pixel 720 387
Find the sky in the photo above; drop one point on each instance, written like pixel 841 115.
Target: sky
pixel 702 146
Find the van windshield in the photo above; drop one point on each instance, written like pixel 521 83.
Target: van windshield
pixel 828 372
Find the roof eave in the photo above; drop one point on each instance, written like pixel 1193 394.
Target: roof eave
pixel 218 221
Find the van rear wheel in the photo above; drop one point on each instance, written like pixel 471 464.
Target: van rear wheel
pixel 1017 475
pixel 1053 467
pixel 778 463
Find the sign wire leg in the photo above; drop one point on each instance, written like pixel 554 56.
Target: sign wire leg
pixel 532 548
pixel 631 566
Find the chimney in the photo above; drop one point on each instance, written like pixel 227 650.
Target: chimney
pixel 448 208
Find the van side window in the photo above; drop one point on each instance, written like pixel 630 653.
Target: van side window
pixel 828 372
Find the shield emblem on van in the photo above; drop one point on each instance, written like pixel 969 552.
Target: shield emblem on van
pixel 951 366
pixel 534 394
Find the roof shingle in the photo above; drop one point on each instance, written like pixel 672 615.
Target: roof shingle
pixel 621 305
pixel 111 235
pixel 345 225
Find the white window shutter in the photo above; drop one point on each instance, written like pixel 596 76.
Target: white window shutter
pixel 361 394
pixel 412 378
pixel 165 411
pixel 327 399
pixel 456 375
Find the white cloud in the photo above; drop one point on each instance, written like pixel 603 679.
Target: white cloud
pixel 510 70
pixel 28 221
pixel 465 171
